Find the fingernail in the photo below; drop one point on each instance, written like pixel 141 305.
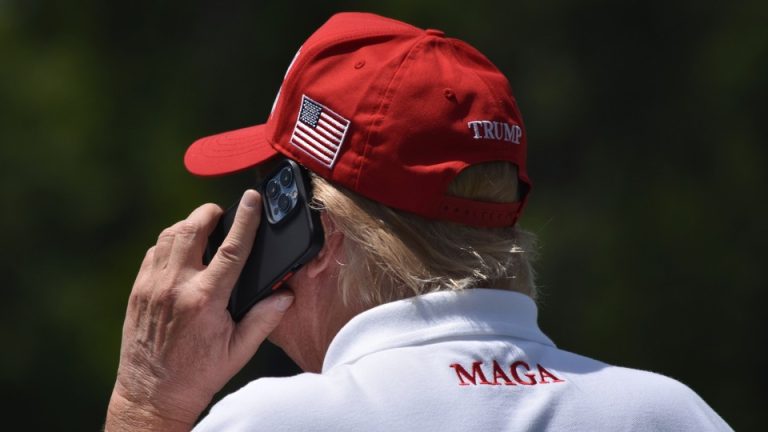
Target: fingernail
pixel 284 302
pixel 250 198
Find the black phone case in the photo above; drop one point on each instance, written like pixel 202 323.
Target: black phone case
pixel 279 249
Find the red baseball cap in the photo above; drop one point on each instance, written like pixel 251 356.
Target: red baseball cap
pixel 389 111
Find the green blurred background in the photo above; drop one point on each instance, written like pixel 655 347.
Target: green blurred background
pixel 647 130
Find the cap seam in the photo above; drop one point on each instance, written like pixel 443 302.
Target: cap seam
pixel 390 90
pixel 485 83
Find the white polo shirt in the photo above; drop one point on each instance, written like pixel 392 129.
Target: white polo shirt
pixel 467 361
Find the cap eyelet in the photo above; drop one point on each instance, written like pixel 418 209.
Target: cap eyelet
pixel 359 64
pixel 449 94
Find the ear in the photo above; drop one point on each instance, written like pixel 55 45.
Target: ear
pixel 331 253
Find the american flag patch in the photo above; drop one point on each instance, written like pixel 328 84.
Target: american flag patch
pixel 319 132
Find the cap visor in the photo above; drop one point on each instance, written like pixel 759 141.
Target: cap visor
pixel 228 152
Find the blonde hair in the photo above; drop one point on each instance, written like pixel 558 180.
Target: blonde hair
pixel 391 254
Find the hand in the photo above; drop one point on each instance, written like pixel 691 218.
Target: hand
pixel 180 345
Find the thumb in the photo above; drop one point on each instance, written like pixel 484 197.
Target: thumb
pixel 259 322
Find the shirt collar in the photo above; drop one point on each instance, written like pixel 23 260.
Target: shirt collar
pixel 433 316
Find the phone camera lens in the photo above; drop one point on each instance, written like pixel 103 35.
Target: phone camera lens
pixel 286 177
pixel 273 189
pixel 284 203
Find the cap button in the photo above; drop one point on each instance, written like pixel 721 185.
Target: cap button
pixel 435 32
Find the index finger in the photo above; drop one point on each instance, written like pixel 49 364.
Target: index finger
pixel 192 236
pixel 226 265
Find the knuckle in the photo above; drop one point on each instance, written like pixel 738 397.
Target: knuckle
pixel 149 254
pixel 188 228
pixel 167 233
pixel 139 291
pixel 138 299
pixel 229 253
pixel 197 302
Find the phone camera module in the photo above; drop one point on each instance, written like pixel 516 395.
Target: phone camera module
pixel 281 193
pixel 273 189
pixel 286 177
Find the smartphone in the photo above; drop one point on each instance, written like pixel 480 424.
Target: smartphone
pixel 290 234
